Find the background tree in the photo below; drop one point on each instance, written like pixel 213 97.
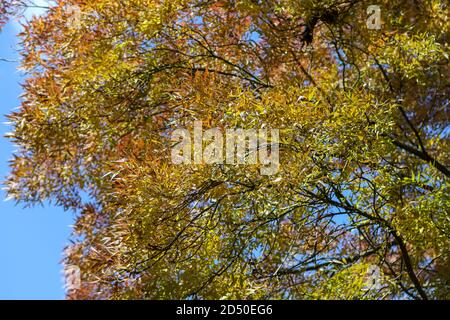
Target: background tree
pixel 363 118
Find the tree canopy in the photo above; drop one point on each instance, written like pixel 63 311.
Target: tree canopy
pixel 363 119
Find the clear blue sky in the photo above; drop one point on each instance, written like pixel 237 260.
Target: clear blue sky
pixel 31 240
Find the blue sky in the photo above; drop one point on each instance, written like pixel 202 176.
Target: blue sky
pixel 31 240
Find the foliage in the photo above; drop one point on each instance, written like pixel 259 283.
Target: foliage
pixel 363 118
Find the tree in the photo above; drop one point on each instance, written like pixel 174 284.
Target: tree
pixel 364 146
pixel 16 8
